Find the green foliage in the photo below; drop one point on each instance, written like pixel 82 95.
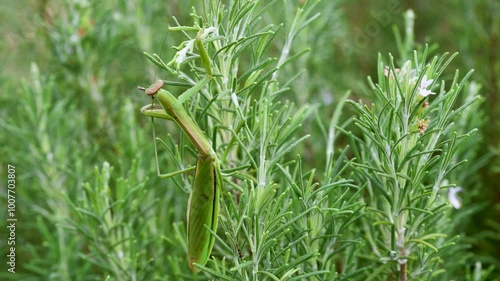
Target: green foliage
pixel 388 185
pixel 404 160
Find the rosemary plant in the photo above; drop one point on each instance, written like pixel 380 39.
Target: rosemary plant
pixel 405 158
pixel 314 186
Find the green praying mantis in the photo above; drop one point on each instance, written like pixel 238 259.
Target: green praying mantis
pixel 203 203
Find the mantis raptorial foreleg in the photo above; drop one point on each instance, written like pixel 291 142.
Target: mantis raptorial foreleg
pixel 171 109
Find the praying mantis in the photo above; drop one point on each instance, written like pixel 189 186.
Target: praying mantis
pixel 203 203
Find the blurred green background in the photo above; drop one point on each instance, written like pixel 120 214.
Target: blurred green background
pixel 69 102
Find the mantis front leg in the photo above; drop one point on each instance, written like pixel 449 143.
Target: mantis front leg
pixel 172 109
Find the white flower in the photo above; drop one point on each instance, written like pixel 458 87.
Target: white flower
pixel 453 198
pixel 207 31
pixel 422 90
pixel 182 54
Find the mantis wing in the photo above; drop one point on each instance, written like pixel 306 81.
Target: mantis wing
pixel 203 209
